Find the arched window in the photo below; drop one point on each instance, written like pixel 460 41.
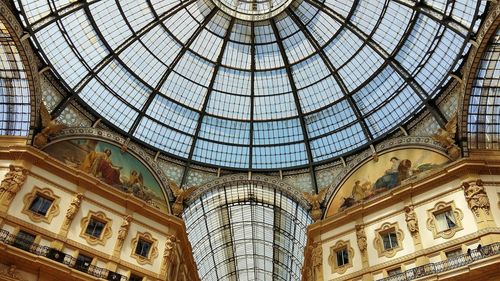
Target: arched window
pixel 483 121
pixel 15 107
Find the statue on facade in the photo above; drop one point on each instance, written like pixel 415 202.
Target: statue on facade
pixel 12 183
pixel 180 195
pixel 317 261
pixel 315 199
pixel 73 209
pixel 122 232
pixel 411 219
pixel 49 127
pixel 168 253
pixel 446 137
pixel 476 197
pixel 361 237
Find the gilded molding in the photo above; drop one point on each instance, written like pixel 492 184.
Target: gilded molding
pixel 153 251
pixel 378 241
pixel 443 207
pixel 332 259
pixel 52 211
pixel 106 232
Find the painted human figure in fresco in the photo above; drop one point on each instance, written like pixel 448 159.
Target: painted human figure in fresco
pixel 99 165
pixel 399 171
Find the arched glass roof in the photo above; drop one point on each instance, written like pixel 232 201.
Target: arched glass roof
pixel 247 231
pixel 257 84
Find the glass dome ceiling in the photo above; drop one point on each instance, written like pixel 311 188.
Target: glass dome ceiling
pixel 253 84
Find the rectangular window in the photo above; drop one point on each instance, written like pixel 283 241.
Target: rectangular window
pixel 143 247
pixel 445 220
pixel 394 271
pixel 390 240
pixel 40 205
pixel 453 253
pixel 134 277
pixel 95 228
pixel 83 262
pixel 342 257
pixel 24 240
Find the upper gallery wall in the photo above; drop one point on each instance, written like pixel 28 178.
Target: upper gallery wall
pixel 275 85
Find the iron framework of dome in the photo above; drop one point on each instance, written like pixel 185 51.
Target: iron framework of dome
pixel 253 84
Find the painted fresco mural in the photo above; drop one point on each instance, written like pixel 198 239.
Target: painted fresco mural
pixel 391 170
pixel 111 165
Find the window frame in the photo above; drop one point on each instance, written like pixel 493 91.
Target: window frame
pixel 106 232
pixel 432 221
pixel 153 250
pixel 52 211
pixel 378 242
pixel 344 246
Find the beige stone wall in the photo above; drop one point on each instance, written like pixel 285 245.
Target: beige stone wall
pixel 442 187
pixel 96 198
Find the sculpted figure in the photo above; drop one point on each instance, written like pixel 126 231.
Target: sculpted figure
pixel 316 200
pixel 168 253
pixel 73 208
pixel 180 196
pixel 411 219
pixel 317 261
pixel 361 237
pixel 123 231
pixel 476 197
pixel 49 127
pixel 12 183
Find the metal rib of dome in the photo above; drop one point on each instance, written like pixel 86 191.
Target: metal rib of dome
pixel 317 81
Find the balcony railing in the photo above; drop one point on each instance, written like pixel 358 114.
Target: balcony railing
pixel 446 265
pixel 53 254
